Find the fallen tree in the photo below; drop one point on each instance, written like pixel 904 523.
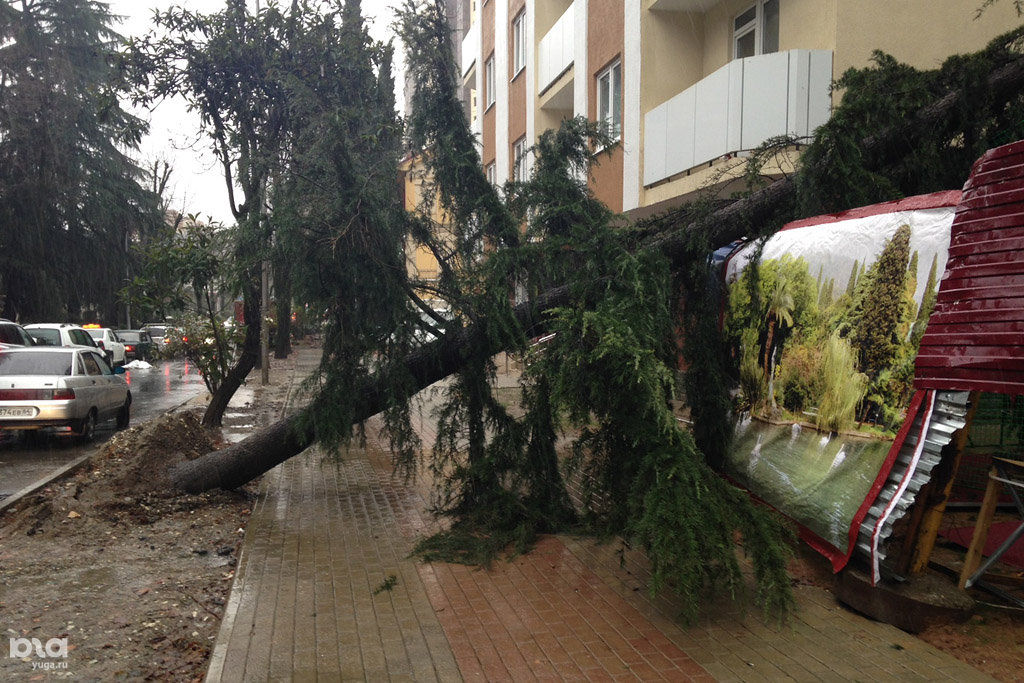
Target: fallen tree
pixel 688 241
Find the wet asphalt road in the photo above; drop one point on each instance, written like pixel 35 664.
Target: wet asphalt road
pixel 156 390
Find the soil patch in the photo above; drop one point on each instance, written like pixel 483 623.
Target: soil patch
pixel 134 576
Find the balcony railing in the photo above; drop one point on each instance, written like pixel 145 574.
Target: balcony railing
pixel 470 47
pixel 556 50
pixel 737 108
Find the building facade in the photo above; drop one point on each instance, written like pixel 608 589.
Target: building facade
pixel 688 87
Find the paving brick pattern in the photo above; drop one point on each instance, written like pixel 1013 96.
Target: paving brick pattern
pixel 328 531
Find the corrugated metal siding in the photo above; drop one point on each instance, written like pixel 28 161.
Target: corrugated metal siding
pixel 975 336
pixel 948 415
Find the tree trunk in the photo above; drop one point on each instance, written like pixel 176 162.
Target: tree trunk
pixel 246 360
pixel 239 463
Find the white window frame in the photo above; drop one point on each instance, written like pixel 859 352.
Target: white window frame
pixel 519 43
pixel 489 84
pixel 520 160
pixel 609 99
pixel 756 25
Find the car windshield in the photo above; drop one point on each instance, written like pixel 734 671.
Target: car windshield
pixel 36 363
pixel 124 335
pixel 95 334
pixel 157 331
pixel 45 337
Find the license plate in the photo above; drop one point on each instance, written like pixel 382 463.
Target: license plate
pixel 18 412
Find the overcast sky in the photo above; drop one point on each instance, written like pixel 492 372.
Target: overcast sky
pixel 197 183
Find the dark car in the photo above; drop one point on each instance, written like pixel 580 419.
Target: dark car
pixel 137 344
pixel 14 334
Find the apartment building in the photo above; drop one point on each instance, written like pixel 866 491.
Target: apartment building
pixel 687 86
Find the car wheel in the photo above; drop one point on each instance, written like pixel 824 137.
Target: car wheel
pixel 124 415
pixel 87 427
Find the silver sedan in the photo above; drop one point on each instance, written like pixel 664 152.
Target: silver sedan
pixel 67 390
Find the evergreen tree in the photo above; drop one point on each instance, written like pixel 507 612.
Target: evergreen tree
pixel 851 284
pixel 927 305
pixel 875 333
pixel 70 195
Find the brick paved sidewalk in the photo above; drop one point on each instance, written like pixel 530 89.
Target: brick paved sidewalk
pixel 329 531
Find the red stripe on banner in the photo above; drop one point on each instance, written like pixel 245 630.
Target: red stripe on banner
pixel 911 468
pixel 840 561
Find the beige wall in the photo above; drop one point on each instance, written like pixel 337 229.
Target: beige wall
pixel 807 24
pixel 921 33
pixel 672 50
pixel 546 13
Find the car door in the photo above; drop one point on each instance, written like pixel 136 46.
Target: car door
pixel 91 385
pixel 110 385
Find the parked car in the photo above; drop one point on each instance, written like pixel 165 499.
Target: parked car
pixel 107 340
pixel 14 334
pixel 59 334
pixel 137 344
pixel 163 336
pixel 68 390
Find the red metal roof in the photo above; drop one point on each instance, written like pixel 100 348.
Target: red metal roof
pixel 975 336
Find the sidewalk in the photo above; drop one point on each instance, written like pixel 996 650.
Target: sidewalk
pixel 325 591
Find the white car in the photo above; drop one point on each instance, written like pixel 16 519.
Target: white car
pixel 68 390
pixel 108 341
pixel 60 334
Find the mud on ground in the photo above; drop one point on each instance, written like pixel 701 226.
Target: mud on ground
pixel 134 576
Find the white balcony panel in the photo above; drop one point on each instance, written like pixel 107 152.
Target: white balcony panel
pixel 556 50
pixel 737 108
pixel 656 128
pixel 765 81
pixel 711 115
pixel 679 146
pixel 470 47
pixel 819 89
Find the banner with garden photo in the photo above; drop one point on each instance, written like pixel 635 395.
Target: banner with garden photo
pixel 824 331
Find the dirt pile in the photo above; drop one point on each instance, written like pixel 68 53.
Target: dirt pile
pixel 132 573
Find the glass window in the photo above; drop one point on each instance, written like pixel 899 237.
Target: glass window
pixel 520 160
pixel 756 30
pixel 46 337
pixel 92 367
pixel 35 363
pixel 489 80
pixel 609 99
pixel 519 43
pixel 491 174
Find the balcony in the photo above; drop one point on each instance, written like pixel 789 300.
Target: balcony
pixel 470 47
pixel 555 55
pixel 737 108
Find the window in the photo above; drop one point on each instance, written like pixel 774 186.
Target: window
pixel 756 30
pixel 609 99
pixel 520 161
pixel 519 43
pixel 472 105
pixel 490 171
pixel 489 81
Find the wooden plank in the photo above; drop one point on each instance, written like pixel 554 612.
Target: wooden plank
pixel 988 508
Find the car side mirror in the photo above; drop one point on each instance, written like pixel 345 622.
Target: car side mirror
pixel 119 370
